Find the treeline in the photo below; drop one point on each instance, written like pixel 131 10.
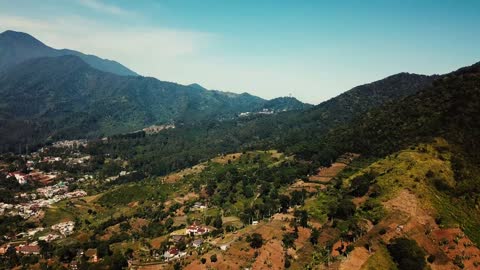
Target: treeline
pixel 448 107
pixel 298 132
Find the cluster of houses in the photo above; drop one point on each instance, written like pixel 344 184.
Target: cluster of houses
pixel 22 248
pixel 33 207
pixel 195 229
pixel 24 210
pixel 157 128
pixel 174 253
pixel 50 191
pixel 70 143
pixel 33 176
pixel 50 237
pixel 51 159
pixel 78 160
pixel 65 228
pixel 264 111
pixel 30 233
pixel 115 177
pixel 198 206
pixel 61 230
pixel 20 177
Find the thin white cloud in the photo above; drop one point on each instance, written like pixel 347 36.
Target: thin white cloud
pixel 145 50
pixel 100 6
pixel 16 22
pixel 169 54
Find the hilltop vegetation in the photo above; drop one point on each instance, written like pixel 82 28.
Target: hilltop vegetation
pixel 295 132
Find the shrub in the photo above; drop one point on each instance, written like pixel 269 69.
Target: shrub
pixel 441 185
pixel 217 223
pixel 350 248
pixel 407 254
pixel 213 258
pixel 256 240
pixel 314 236
pixel 344 210
pixel 361 184
pixel 458 262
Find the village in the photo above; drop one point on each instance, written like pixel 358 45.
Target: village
pixel 37 191
pixel 204 217
pixel 43 183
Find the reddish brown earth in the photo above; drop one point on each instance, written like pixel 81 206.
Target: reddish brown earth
pixel 225 158
pixel 324 175
pixel 355 259
pixel 308 186
pixel 411 219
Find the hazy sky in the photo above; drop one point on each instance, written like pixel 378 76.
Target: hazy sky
pixel 311 49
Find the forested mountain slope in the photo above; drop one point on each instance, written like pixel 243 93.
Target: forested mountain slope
pixel 63 97
pixel 450 109
pixel 291 131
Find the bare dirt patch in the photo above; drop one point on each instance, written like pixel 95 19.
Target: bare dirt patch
pixel 175 177
pixel 324 174
pixel 406 202
pixel 454 243
pixel 159 266
pixel 359 200
pixel 92 198
pixel 138 223
pixel 157 242
pixel 355 259
pixel 187 197
pixel 283 217
pixel 410 219
pixel 270 256
pixel 308 186
pixel 225 158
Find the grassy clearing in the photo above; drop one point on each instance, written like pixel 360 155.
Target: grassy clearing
pixel 381 260
pixel 58 213
pixel 126 194
pixel 318 206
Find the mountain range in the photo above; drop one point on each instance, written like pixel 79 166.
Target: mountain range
pixel 54 94
pixel 383 176
pixel 416 180
pixel 17 47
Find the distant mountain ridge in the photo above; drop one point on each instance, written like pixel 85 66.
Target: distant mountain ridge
pixel 64 97
pixel 276 105
pixel 285 104
pixel 17 47
pixel 298 132
pixel 197 86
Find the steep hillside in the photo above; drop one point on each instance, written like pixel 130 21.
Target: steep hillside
pixel 406 198
pixel 316 122
pixel 450 108
pixel 17 47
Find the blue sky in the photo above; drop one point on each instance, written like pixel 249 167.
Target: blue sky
pixel 313 50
